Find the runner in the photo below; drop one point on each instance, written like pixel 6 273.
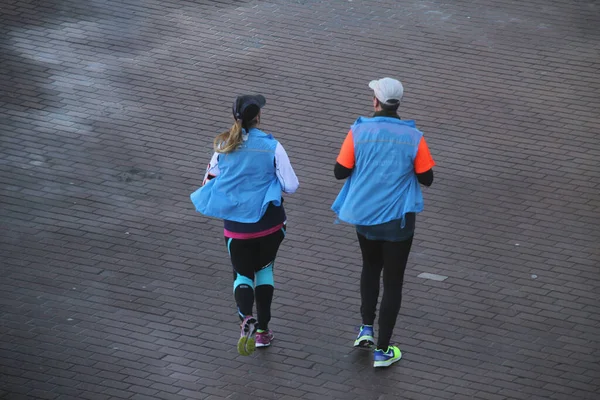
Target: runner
pixel 243 185
pixel 384 159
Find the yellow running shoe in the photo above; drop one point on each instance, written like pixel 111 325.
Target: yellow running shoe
pixel 247 344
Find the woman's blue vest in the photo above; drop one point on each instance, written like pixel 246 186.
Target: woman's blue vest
pixel 247 182
pixel 383 185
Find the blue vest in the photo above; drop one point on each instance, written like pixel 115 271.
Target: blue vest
pixel 383 185
pixel 247 182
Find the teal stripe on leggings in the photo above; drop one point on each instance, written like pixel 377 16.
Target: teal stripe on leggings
pixel 265 276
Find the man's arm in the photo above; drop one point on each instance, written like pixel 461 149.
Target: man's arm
pixel 425 178
pixel 345 160
pixel 341 172
pixel 424 164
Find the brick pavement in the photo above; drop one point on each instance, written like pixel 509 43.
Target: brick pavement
pixel 113 288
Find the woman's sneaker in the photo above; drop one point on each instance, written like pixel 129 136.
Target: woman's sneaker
pixel 386 358
pixel 365 336
pixel 246 344
pixel 263 338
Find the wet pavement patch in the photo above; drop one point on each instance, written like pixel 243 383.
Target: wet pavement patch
pixel 137 174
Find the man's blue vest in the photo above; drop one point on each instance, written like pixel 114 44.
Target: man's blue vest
pixel 383 185
pixel 247 182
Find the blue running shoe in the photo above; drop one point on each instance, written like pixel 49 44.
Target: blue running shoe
pixel 386 358
pixel 365 337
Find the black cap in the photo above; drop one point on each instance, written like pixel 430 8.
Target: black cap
pixel 247 107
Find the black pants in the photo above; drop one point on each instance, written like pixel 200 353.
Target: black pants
pixel 253 261
pixel 391 257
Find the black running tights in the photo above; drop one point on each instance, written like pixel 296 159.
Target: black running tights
pixel 253 261
pixel 391 258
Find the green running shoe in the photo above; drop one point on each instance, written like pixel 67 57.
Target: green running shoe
pixel 365 337
pixel 386 358
pixel 247 344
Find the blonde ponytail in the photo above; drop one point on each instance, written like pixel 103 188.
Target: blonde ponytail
pixel 229 141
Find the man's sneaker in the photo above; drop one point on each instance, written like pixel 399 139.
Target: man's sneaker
pixel 246 344
pixel 263 338
pixel 386 358
pixel 365 337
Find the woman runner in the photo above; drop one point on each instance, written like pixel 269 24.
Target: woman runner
pixel 243 185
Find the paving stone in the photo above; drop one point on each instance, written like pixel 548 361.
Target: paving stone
pixel 113 287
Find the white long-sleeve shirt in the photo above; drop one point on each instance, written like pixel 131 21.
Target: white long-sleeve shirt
pixel 283 169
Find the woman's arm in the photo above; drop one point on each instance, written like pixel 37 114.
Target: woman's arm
pixel 285 173
pixel 212 170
